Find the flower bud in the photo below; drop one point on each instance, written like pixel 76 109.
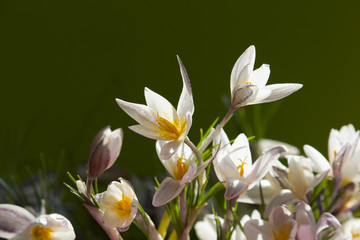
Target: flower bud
pixel 104 150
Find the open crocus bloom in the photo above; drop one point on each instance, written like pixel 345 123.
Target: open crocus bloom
pixel 308 229
pixel 233 164
pixel 159 120
pixel 182 168
pixel 351 229
pixel 298 181
pixel 281 226
pixel 119 204
pixel 206 229
pixel 343 153
pixel 18 223
pixel 248 85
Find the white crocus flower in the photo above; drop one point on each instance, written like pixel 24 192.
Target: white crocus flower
pixel 248 86
pixel 343 155
pixel 206 229
pixel 119 205
pixel 159 120
pixel 298 181
pixel 18 224
pixel 233 164
pixel 182 168
pixel 281 226
pixel 308 229
pixel 351 229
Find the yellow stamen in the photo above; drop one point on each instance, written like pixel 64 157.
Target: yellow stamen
pixel 355 235
pixel 248 83
pixel 335 153
pixel 123 207
pixel 41 233
pixel 241 166
pixel 281 235
pixel 181 168
pixel 171 131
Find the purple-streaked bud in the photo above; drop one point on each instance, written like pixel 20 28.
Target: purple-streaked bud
pixel 104 150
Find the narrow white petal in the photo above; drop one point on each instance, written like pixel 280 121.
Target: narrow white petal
pixel 186 102
pixel 161 105
pixel 248 57
pixel 243 96
pixel 206 229
pixel 153 133
pixel 167 191
pixel 263 164
pixel 260 76
pixel 13 219
pixel 257 227
pixel 169 149
pixel 279 91
pixel 319 162
pixel 234 188
pixel 139 112
pixel 284 197
pixel 228 168
pixel 253 196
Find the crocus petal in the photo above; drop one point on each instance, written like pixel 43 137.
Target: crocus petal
pixel 206 229
pixel 240 149
pixel 261 94
pixel 186 103
pixel 284 197
pixel 169 149
pixel 256 227
pixel 243 95
pixel 265 144
pixel 253 196
pixel 234 187
pixel 260 76
pixel 304 214
pixel 189 175
pixel 326 220
pixel 167 191
pixel 139 112
pixel 248 57
pixel 13 220
pixel 263 164
pixel 305 232
pixel 228 168
pixel 161 105
pixel 279 91
pixel 319 162
pixel 148 132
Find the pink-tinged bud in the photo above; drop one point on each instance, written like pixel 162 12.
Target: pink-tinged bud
pixel 104 150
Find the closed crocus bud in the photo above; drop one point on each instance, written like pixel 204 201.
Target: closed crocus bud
pixel 104 150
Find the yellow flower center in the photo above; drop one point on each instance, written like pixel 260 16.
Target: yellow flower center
pixel 41 233
pixel 171 130
pixel 181 168
pixel 241 166
pixel 123 207
pixel 355 235
pixel 282 234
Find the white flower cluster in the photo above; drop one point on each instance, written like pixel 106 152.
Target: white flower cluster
pixel 300 197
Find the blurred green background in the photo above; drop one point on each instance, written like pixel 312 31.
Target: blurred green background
pixel 63 63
